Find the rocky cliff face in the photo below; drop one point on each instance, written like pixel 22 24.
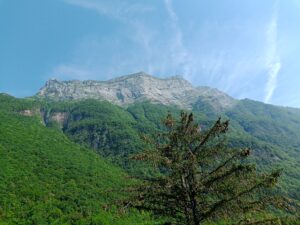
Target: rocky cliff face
pixel 136 88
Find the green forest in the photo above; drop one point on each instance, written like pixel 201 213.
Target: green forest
pixel 73 162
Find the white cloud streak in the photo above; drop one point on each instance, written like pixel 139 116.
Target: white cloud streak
pixel 179 54
pixel 116 9
pixel 124 12
pixel 218 62
pixel 176 58
pixel 273 61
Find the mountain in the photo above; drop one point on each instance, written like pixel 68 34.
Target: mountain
pixel 107 118
pixel 271 131
pixel 135 88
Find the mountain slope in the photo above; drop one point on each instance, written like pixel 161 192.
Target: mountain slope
pixel 272 132
pixel 78 110
pixel 47 179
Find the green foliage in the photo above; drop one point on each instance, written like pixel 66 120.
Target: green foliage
pixel 114 132
pixel 47 179
pixel 201 178
pixel 100 125
pixel 273 133
pixel 149 117
pixel 111 130
pixel 276 125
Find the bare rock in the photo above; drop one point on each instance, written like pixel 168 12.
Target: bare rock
pixel 137 87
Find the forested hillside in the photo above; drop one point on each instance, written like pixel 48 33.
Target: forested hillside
pixel 38 150
pixel 47 179
pixel 114 132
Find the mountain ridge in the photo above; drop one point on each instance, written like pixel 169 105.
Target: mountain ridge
pixel 138 87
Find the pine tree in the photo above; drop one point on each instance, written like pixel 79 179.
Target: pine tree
pixel 200 177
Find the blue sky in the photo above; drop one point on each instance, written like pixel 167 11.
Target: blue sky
pixel 248 49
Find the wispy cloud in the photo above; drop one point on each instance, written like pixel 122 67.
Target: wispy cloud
pixel 211 56
pixel 88 61
pixel 148 40
pixel 116 9
pixel 273 61
pixel 180 55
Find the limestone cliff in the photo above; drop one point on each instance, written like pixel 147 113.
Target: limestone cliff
pixel 138 87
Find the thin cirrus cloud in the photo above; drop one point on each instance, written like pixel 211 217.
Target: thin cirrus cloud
pixel 147 37
pixel 116 9
pixel 273 61
pixel 179 54
pixel 127 14
pixel 212 56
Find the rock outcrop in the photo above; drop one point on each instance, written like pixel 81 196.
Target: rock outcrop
pixel 137 87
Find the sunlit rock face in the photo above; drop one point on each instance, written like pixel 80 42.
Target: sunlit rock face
pixel 138 87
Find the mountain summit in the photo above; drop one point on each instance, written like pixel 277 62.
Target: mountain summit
pixel 138 87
